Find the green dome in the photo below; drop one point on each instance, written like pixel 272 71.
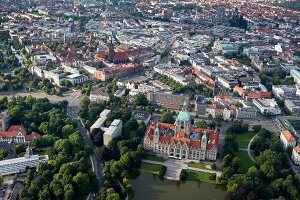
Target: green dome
pixel 184 116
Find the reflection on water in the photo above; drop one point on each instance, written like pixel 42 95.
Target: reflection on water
pixel 151 187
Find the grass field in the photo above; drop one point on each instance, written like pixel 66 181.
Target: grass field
pixel 246 162
pixel 150 168
pixel 200 176
pixel 243 139
pixel 198 165
pixel 153 158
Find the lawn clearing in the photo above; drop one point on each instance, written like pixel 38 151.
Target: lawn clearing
pixel 150 168
pixel 200 176
pixel 246 162
pixel 153 158
pixel 200 165
pixel 244 139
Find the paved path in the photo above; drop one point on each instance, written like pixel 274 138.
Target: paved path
pixel 249 150
pixel 174 168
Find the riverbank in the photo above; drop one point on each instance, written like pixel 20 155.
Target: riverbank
pixel 193 174
pixel 149 187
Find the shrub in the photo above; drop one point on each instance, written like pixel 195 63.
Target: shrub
pixel 162 171
pixel 183 175
pixel 213 176
pixel 213 166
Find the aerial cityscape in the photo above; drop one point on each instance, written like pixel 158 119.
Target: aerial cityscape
pixel 149 99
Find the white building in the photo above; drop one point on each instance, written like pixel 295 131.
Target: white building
pixel 101 120
pixel 281 91
pixel 267 106
pixel 17 165
pixel 98 95
pixel 296 155
pixel 113 131
pixel 119 93
pixel 246 113
pixel 287 139
pixel 296 75
pixel 77 78
pixel 293 105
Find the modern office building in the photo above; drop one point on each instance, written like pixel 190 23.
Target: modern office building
pixel 113 131
pixel 267 106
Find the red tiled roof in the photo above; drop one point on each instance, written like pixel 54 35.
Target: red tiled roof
pixel 17 128
pixel 288 136
pixel 32 136
pixel 297 149
pixel 8 134
pixel 212 135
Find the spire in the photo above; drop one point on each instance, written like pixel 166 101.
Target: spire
pixel 156 132
pixel 184 106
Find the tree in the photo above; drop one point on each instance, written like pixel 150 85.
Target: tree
pixel 141 100
pixel 82 183
pixel 236 164
pixel 20 148
pixel 226 161
pixel 167 117
pixel 3 153
pixel 256 128
pixel 213 176
pixel 183 175
pixel 162 171
pixel 69 193
pixel 213 166
pixel 68 130
pixel 201 124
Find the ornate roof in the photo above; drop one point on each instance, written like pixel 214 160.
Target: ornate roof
pixel 184 116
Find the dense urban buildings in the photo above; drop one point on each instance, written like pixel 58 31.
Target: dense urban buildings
pixel 187 90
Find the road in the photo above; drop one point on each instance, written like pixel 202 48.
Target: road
pixel 73 108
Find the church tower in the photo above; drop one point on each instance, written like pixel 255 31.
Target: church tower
pixel 156 133
pixel 203 146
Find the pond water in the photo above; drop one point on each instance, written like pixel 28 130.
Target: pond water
pixel 151 187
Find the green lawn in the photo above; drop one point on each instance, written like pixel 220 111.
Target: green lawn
pixel 198 165
pixel 200 176
pixel 244 139
pixel 246 162
pixel 153 158
pixel 150 168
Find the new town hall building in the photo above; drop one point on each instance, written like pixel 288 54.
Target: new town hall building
pixel 181 139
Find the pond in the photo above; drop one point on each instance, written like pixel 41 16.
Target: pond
pixel 151 187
